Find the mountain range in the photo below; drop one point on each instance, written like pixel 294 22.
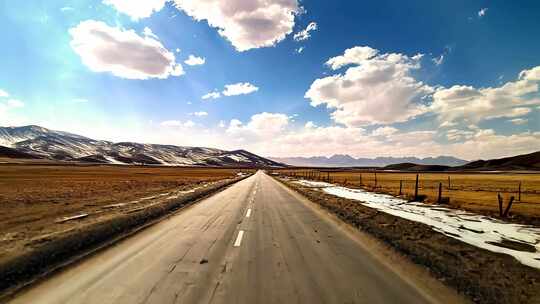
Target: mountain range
pixel 38 142
pixel 349 161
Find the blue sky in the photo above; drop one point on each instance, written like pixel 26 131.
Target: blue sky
pixel 369 78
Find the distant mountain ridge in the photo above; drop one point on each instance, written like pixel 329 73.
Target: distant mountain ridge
pixel 38 142
pixel 340 160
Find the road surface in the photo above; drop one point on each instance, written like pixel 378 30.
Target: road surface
pixel 255 242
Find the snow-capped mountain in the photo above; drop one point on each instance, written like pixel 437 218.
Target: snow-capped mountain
pixel 49 144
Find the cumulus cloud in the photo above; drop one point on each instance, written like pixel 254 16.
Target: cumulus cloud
pixel 305 34
pixel 299 50
pixel 241 88
pixel 438 60
pixel 511 100
pixel 122 52
pixel 211 95
pixel 455 134
pixel 177 124
pixel 356 55
pixel 519 121
pixel 262 126
pixel 200 114
pixel 482 12
pixel 148 32
pixel 384 131
pixel 246 24
pixel 137 9
pixel 272 134
pixel 377 89
pixel 8 111
pixel 194 60
pixel 3 93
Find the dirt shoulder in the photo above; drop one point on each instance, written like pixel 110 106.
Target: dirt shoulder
pixel 31 249
pixel 481 275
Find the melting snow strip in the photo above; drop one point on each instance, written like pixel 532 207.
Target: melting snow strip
pixel 474 229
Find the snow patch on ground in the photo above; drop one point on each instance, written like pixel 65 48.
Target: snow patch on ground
pixel 477 230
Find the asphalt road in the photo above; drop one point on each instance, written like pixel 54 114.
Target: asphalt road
pixel 255 242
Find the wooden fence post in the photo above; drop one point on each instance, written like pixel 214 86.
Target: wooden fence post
pixel 508 207
pixel 500 204
pixel 400 186
pixel 449 185
pixel 519 192
pixel 360 179
pixel 439 198
pixel 416 188
pixel 375 179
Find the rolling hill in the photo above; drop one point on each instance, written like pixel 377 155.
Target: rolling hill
pixel 520 162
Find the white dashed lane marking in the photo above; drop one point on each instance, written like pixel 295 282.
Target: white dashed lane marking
pixel 239 238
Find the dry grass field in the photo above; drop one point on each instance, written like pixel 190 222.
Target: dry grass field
pixel 35 199
pixel 475 192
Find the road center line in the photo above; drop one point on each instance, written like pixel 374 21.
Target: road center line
pixel 239 238
pixel 248 214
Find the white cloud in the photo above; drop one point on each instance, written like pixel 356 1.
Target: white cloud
pixel 305 34
pixel 3 94
pixel 200 114
pixel 137 9
pixel 246 24
pixel 241 88
pixel 212 95
pixel 519 121
pixel 513 99
pixel 482 12
pixel 15 103
pixel 171 123
pixel 148 32
pixel 356 55
pixel 438 60
pixel 378 89
pixel 310 125
pixel 276 137
pixel 8 112
pixel 448 124
pixel 455 134
pixel 194 60
pixel 177 124
pixel 299 50
pixel 66 8
pixel 122 52
pixel 262 126
pixel 384 131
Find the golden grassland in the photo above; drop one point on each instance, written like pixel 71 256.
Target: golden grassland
pixel 34 197
pixel 475 192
